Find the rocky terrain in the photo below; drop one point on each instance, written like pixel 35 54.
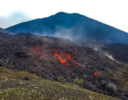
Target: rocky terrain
pixel 115 51
pixel 118 51
pixel 59 59
pixel 20 85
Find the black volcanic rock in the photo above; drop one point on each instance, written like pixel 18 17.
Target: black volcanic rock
pixel 59 59
pixel 111 88
pixel 118 51
pixel 73 26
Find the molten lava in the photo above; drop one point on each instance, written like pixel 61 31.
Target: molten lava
pixel 68 55
pixel 38 53
pixel 62 61
pixel 67 64
pixel 96 74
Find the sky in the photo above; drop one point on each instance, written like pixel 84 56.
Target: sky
pixel 111 12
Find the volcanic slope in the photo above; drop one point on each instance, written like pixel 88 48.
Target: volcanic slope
pixel 31 87
pixel 60 59
pixel 118 51
pixel 74 26
pixel 4 31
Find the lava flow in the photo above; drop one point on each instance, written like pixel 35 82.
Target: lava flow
pixel 38 53
pixel 96 74
pixel 68 55
pixel 62 61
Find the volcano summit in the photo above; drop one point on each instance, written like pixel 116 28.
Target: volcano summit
pixel 73 26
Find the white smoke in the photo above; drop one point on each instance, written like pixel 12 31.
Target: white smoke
pixel 64 33
pixel 109 56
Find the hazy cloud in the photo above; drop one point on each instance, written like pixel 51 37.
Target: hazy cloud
pixel 13 18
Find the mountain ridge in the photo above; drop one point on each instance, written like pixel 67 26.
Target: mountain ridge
pixel 4 31
pixel 75 26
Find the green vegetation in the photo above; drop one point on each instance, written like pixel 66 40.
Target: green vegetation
pixel 84 76
pixel 13 87
pixel 68 78
pixel 59 78
pixel 78 81
pixel 5 65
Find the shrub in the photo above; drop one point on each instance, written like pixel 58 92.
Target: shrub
pixel 5 65
pixel 68 78
pixel 59 78
pixel 84 76
pixel 78 81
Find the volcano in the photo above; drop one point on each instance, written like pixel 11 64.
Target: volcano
pixel 4 31
pixel 60 59
pixel 73 26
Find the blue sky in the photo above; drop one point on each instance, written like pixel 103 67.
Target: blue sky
pixel 111 12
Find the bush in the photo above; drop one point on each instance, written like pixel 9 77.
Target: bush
pixel 5 65
pixel 68 78
pixel 78 81
pixel 84 76
pixel 59 78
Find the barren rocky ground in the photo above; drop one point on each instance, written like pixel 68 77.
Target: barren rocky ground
pixel 59 59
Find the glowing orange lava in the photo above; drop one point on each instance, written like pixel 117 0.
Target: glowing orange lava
pixel 68 55
pixel 67 64
pixel 62 61
pixel 96 74
pixel 38 53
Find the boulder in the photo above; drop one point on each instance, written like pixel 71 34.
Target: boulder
pixel 103 84
pixel 111 88
pixel 26 78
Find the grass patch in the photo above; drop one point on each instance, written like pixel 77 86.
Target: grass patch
pixel 60 78
pixel 13 87
pixel 78 81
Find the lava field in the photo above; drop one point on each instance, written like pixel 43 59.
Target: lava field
pixel 50 57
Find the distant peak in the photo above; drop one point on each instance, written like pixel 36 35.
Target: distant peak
pixel 61 13
pixel 64 14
